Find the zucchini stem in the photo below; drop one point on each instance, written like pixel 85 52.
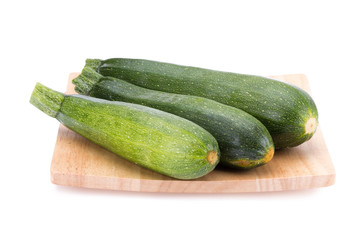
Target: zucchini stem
pixel 46 99
pixel 86 80
pixel 93 63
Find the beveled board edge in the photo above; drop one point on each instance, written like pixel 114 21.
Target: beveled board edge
pixel 178 186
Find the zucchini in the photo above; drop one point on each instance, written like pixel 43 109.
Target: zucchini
pixel 154 139
pixel 288 112
pixel 243 140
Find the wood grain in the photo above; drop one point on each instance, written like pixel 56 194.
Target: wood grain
pixel 81 163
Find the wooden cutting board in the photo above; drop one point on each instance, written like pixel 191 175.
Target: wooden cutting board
pixel 81 163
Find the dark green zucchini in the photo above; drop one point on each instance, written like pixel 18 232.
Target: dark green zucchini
pixel 154 139
pixel 243 140
pixel 288 112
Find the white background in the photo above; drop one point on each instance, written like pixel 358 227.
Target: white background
pixel 43 41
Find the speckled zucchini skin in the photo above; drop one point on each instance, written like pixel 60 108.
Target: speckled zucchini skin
pixel 284 109
pixel 243 140
pixel 148 137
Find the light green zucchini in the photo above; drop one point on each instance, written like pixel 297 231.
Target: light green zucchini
pixel 154 139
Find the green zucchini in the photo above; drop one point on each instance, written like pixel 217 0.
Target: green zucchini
pixel 154 139
pixel 243 140
pixel 288 112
